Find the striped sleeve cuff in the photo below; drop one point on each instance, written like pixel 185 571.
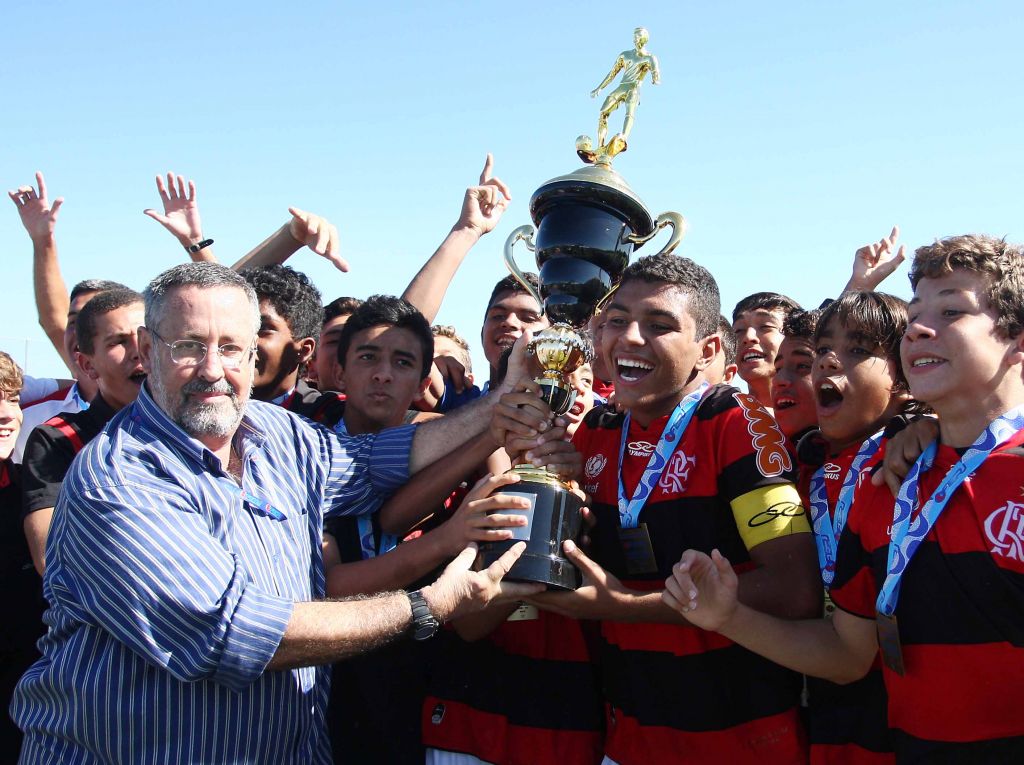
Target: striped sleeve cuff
pixel 253 635
pixel 389 459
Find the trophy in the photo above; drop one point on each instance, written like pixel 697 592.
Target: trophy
pixel 586 225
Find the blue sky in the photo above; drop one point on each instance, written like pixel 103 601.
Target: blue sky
pixel 787 135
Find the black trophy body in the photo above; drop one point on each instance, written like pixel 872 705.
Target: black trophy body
pixel 587 225
pixel 555 517
pixel 583 245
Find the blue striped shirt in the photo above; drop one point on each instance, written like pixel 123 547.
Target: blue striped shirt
pixel 170 588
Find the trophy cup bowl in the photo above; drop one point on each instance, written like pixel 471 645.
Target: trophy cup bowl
pixel 587 224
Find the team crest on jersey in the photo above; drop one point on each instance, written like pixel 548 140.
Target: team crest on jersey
pixel 437 715
pixel 676 472
pixel 1005 530
pixel 640 448
pixel 772 458
pixel 595 465
pixel 832 471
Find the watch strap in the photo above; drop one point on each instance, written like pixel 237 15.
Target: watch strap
pixel 424 623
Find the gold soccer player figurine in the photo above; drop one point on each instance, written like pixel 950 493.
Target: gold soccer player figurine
pixel 634 65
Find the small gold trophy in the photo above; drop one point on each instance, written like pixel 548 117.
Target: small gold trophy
pixel 586 225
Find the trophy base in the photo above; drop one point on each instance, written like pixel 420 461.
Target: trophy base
pixel 554 518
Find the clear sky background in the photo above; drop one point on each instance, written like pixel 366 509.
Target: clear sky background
pixel 788 134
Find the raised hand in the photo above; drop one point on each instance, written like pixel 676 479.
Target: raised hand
pixel 38 216
pixel 181 210
pixel 875 262
pixel 318 234
pixel 703 589
pixel 483 205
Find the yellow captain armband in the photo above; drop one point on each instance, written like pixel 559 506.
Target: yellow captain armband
pixel 770 512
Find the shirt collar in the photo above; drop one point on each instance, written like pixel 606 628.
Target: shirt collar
pixel 75 394
pixel 280 400
pixel 100 409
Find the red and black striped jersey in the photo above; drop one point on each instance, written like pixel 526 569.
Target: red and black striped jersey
pixel 527 694
pixel 51 448
pixel 960 611
pixel 675 693
pixel 846 724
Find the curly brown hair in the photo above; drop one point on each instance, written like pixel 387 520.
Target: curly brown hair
pixel 997 259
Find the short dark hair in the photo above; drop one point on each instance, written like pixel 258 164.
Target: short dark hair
pixel 698 285
pixel 765 301
pixel 511 284
pixel 292 295
pixel 879 318
pixel 103 303
pixel 94 285
pixel 343 306
pixel 1000 261
pixel 728 339
pixel 394 312
pixel 801 324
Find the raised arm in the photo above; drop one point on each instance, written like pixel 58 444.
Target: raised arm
pixel 181 215
pixel 304 229
pixel 482 208
pixel 39 218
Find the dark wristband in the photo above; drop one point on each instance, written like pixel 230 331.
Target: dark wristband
pixel 194 248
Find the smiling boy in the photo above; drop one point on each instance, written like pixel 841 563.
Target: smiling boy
pixel 757 326
pixel 674 693
pixel 934 578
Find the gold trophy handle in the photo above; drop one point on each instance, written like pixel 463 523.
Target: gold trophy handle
pixel 673 219
pixel 526 234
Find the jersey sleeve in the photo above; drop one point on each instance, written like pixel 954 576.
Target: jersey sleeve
pixel 48 455
pixel 757 474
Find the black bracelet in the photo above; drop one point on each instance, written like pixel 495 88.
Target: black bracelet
pixel 194 248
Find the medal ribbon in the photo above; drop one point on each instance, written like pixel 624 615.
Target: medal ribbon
pixel 828 529
pixel 368 546
pixel 907 531
pixel 629 510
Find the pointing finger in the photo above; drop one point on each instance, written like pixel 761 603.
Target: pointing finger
pixel 485 175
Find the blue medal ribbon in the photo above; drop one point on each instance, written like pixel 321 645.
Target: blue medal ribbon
pixel 908 531
pixel 368 547
pixel 629 510
pixel 828 528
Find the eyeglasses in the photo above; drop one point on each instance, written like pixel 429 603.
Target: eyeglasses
pixel 192 353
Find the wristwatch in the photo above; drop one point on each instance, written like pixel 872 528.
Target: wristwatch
pixel 424 623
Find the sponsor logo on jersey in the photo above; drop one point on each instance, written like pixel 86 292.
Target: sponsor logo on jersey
pixel 640 448
pixel 1005 530
pixel 595 465
pixel 832 471
pixel 772 458
pixel 676 472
